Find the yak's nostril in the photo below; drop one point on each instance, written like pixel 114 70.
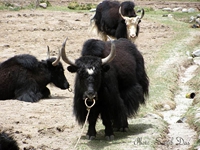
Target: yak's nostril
pixel 132 35
pixel 90 94
pixel 66 85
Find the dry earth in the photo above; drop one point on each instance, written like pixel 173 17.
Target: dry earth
pixel 50 124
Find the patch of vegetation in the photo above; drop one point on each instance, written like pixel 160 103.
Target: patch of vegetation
pixel 10 6
pixel 184 17
pixel 193 118
pixel 80 6
pixel 146 9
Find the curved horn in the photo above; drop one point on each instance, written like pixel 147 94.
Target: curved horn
pixel 48 52
pixel 112 54
pixel 56 62
pixel 57 59
pixel 124 17
pixel 142 13
pixel 64 57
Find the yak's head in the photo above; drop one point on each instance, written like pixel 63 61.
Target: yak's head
pixel 57 72
pixel 89 71
pixel 132 24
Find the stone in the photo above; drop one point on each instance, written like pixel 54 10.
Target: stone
pixel 191 10
pixel 184 10
pixel 177 9
pixel 167 9
pixel 43 5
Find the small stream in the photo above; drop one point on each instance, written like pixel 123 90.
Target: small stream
pixel 180 136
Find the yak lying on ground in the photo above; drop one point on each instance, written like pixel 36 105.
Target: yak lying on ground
pixel 25 78
pixel 117 20
pixel 112 75
pixel 7 142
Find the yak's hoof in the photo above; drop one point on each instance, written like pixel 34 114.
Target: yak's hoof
pixel 110 138
pixel 123 129
pixel 90 137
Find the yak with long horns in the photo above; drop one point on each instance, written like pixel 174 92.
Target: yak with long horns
pixel 112 75
pixel 117 20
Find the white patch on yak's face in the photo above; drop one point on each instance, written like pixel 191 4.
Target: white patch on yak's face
pixel 90 71
pixel 131 24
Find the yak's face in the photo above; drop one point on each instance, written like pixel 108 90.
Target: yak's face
pixel 89 74
pixel 132 25
pixel 131 19
pixel 57 75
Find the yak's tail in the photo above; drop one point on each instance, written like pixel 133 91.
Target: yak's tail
pixel 138 93
pixel 142 78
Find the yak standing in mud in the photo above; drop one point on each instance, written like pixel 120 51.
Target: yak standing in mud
pixel 25 78
pixel 117 20
pixel 111 74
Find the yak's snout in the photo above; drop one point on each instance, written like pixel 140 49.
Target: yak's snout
pixel 133 35
pixel 90 94
pixel 65 86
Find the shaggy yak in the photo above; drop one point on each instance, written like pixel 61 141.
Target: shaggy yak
pixel 25 78
pixel 7 142
pixel 117 20
pixel 112 75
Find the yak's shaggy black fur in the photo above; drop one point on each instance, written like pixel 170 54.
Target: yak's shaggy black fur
pixel 25 78
pixel 120 86
pixel 7 142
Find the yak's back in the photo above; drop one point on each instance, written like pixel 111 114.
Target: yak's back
pixel 25 60
pixel 124 49
pixel 93 47
pixel 106 5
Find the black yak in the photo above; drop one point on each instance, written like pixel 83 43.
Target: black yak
pixel 25 78
pixel 117 20
pixel 113 75
pixel 7 142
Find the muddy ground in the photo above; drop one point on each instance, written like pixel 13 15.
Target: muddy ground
pixel 49 124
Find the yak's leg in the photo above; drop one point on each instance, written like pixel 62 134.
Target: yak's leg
pixel 108 125
pixel 92 119
pixel 120 117
pixel 121 124
pixel 28 92
pixel 45 93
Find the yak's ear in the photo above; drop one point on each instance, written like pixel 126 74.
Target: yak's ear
pixel 72 69
pixel 105 68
